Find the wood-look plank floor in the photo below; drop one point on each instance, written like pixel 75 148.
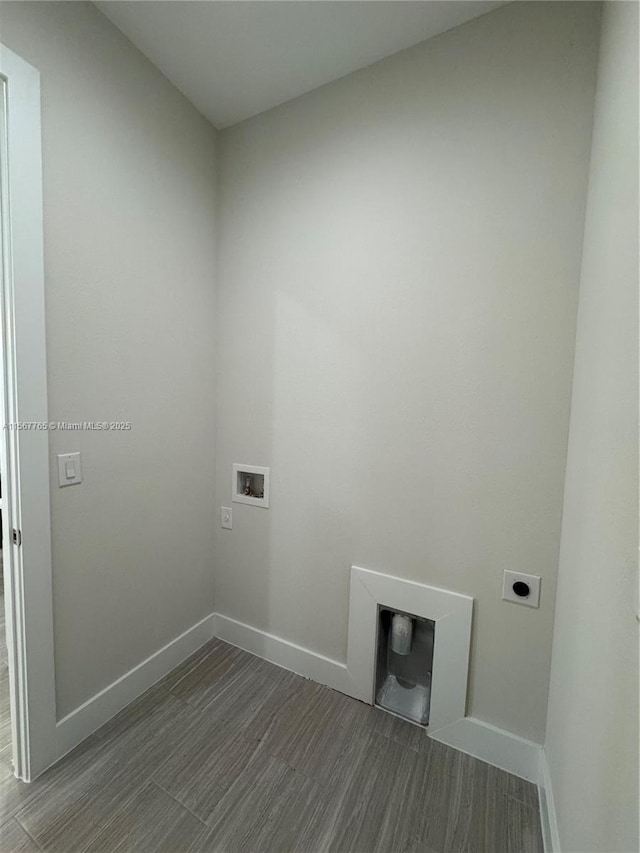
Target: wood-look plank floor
pixel 230 754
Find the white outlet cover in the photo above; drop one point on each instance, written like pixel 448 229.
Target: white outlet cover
pixel 532 581
pixel 226 518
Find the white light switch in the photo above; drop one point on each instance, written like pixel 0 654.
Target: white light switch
pixel 226 518
pixel 69 469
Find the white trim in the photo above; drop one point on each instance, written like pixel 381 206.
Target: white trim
pixel 495 746
pixel 451 612
pixel 548 816
pixel 288 655
pixel 239 497
pixel 481 740
pixel 25 454
pixel 98 710
pixel 488 743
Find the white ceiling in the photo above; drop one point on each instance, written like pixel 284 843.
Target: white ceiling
pixel 233 60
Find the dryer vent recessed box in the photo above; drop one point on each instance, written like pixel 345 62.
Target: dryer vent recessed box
pixel 250 485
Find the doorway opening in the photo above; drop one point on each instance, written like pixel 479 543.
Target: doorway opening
pixel 28 732
pixel 6 715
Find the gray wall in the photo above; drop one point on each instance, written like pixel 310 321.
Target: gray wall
pixel 592 730
pixel 398 276
pixel 129 185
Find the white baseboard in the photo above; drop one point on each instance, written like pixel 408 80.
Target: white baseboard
pixel 481 740
pixel 486 742
pixel 288 655
pixel 548 817
pixel 83 721
pixel 495 746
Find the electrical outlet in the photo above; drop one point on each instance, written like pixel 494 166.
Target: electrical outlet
pixel 226 518
pixel 521 589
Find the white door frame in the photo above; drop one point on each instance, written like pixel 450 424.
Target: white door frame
pixel 24 453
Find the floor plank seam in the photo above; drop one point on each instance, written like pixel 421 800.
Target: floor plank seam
pixel 215 698
pixel 523 802
pixel 275 763
pixel 182 805
pixel 26 832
